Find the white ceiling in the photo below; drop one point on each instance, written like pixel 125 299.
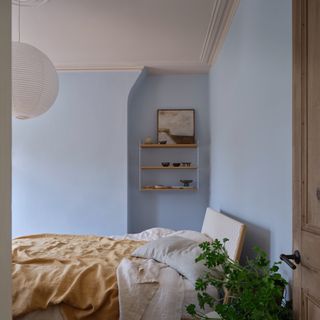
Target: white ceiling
pixel 165 35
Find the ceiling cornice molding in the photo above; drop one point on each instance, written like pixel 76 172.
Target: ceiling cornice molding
pixel 29 3
pixel 194 54
pixel 160 67
pixel 102 68
pixel 222 13
pixel 178 69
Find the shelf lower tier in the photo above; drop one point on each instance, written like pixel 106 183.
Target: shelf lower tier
pixel 167 168
pixel 168 188
pixel 166 146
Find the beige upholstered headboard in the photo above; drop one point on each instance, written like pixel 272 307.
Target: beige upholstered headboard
pixel 219 226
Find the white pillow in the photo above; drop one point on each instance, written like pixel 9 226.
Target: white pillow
pixel 192 235
pixel 155 233
pixel 177 252
pixel 146 235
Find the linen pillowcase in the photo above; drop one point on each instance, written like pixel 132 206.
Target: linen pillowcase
pixel 178 253
pixel 192 235
pixel 146 235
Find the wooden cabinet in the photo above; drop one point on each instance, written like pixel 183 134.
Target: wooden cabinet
pixel 183 164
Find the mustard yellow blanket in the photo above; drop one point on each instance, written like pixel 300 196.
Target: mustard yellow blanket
pixel 76 272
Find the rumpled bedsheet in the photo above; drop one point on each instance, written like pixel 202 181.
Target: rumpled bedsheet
pixel 76 272
pixel 149 290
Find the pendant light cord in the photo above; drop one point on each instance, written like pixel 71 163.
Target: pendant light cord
pixel 19 21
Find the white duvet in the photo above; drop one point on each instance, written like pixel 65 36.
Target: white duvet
pixel 149 290
pixel 165 292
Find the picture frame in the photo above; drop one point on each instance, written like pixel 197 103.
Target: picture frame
pixel 176 126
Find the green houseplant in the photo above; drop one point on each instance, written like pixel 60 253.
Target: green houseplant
pixel 254 291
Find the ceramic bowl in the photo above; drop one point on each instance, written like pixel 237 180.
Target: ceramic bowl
pixel 186 183
pixel 165 164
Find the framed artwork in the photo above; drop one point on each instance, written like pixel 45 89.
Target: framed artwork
pixel 176 126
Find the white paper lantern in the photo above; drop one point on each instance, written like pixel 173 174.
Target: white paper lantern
pixel 34 81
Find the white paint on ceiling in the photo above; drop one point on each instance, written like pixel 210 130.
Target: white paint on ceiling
pixel 170 35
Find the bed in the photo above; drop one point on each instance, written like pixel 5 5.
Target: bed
pixel 62 277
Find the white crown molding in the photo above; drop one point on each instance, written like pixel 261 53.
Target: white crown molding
pixel 96 68
pixel 29 3
pixel 155 68
pixel 215 26
pixel 221 17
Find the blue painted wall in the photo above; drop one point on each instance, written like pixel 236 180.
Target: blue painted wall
pixel 250 121
pixel 75 167
pixel 70 164
pixel 173 209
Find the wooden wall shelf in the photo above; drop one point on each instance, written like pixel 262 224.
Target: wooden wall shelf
pixel 151 157
pixel 158 145
pixel 168 168
pixel 173 188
